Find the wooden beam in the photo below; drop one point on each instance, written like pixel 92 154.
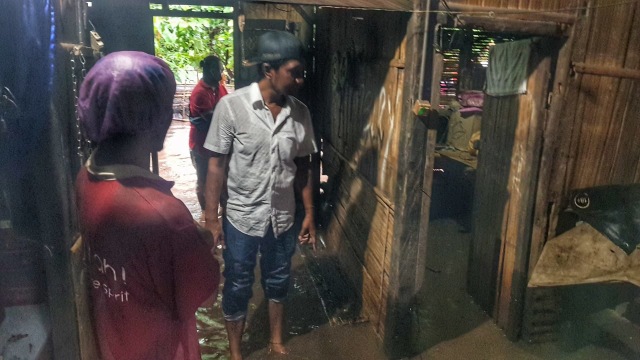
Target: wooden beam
pixel 512 26
pixel 400 314
pixel 427 177
pixel 602 70
pixel 396 5
pixel 228 3
pixel 520 14
pixel 191 14
pixel 305 15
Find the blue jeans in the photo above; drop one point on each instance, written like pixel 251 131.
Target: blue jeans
pixel 239 263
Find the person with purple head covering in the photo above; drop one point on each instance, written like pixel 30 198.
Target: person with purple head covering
pixel 150 267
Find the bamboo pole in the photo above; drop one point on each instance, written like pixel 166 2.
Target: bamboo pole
pixel 592 69
pixel 522 14
pixel 514 26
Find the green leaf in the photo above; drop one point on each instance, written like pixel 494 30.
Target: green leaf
pixel 183 42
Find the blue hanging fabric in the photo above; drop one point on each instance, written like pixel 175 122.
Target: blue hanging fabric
pixel 27 54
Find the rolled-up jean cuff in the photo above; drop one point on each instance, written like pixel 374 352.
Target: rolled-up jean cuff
pixel 235 317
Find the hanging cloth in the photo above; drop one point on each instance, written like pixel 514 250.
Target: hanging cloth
pixel 508 68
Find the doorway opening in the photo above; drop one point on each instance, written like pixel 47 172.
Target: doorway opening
pixel 446 309
pixel 186 34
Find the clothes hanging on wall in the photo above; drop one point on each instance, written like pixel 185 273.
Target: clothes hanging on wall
pixel 508 68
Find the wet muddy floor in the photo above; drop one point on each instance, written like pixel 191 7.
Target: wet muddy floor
pixel 320 320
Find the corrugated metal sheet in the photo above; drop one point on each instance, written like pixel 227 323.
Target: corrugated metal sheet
pixel 397 5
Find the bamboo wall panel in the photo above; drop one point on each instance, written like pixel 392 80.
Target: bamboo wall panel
pixel 608 121
pixel 358 231
pixel 360 66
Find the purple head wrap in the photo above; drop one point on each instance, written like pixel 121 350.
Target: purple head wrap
pixel 126 93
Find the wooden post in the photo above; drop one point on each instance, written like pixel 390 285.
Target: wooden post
pixel 155 166
pixel 404 255
pixel 523 175
pixel 606 71
pixel 427 177
pixel 549 150
pixel 567 123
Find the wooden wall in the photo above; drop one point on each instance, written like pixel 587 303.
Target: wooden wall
pixel 594 120
pixel 523 4
pixel 593 137
pixel 360 67
pixel 260 18
pixel 602 118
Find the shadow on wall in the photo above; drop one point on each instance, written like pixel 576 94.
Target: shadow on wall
pixel 357 113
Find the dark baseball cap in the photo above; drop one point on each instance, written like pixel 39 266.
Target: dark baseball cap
pixel 275 46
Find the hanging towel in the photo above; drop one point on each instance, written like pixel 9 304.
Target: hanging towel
pixel 508 68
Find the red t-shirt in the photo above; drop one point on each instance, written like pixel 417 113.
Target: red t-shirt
pixel 149 269
pixel 203 99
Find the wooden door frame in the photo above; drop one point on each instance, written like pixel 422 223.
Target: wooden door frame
pixel 516 239
pixel 522 185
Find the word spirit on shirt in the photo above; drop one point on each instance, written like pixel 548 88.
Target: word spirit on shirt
pixel 121 296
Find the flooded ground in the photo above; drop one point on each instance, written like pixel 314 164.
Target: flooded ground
pixel 319 314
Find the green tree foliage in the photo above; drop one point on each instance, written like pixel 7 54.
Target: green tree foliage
pixel 183 42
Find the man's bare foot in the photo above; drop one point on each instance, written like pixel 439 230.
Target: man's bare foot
pixel 277 349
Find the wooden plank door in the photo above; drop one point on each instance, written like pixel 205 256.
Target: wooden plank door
pixel 508 164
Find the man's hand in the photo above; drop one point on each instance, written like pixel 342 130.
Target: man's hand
pixel 215 181
pixel 307 234
pixel 215 227
pixel 205 234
